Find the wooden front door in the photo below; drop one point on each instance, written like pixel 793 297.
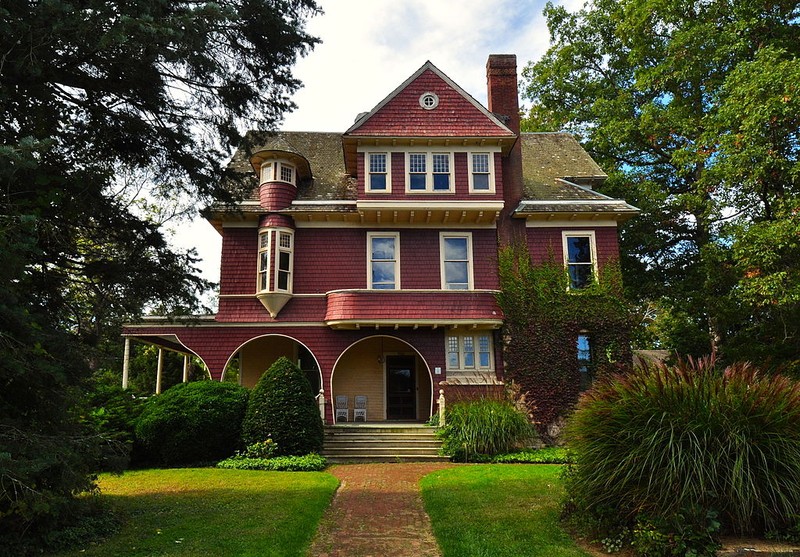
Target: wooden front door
pixel 401 388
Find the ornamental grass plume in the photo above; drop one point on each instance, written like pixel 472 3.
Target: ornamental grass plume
pixel 686 441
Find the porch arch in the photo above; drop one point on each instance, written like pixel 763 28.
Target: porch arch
pixel 259 353
pixel 361 369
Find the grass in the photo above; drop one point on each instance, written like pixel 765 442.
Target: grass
pixel 498 510
pixel 200 511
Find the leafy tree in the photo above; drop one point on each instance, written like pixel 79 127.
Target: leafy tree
pixel 282 408
pixel 93 92
pixel 693 108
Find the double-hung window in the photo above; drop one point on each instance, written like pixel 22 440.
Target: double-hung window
pixel 579 258
pixel 379 178
pixel 469 351
pixel 429 172
pixel 275 251
pixel 383 260
pixel 456 260
pixel 481 172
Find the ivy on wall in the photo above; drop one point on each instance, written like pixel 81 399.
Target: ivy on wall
pixel 543 321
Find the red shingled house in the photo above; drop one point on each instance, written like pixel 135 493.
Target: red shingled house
pixel 370 256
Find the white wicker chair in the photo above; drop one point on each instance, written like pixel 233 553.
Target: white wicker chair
pixel 342 411
pixel 360 410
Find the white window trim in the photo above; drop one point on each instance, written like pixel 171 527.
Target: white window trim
pixel 273 259
pixel 429 171
pixel 491 172
pixel 396 236
pixel 470 258
pixel 592 248
pixel 367 187
pixel 475 334
pixel 274 173
pixel 276 259
pixel 268 250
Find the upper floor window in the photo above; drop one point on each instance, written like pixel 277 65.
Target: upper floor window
pixel 481 172
pixel 276 171
pixel 383 260
pixel 275 260
pixel 378 172
pixel 429 172
pixel 469 351
pixel 579 258
pixel 455 249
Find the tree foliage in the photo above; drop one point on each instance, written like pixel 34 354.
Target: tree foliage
pixel 91 93
pixel 693 108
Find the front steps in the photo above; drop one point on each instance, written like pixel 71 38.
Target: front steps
pixel 381 442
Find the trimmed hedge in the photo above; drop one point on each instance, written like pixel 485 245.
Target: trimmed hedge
pixel 283 408
pixel 307 463
pixel 192 422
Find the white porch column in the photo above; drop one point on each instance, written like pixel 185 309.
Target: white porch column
pixel 186 368
pixel 441 407
pixel 126 363
pixel 159 370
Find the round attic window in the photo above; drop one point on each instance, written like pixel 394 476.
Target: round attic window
pixel 429 101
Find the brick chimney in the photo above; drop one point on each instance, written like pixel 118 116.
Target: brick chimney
pixel 501 80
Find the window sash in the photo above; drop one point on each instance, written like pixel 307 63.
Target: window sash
pixel 429 172
pixel 456 258
pixel 579 258
pixel 378 172
pixel 384 261
pixel 470 351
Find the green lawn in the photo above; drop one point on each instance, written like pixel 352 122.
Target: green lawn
pixel 498 510
pixel 213 512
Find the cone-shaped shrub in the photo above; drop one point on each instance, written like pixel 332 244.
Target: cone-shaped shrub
pixel 680 444
pixel 282 407
pixel 192 422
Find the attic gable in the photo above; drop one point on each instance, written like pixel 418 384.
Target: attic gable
pixel 401 114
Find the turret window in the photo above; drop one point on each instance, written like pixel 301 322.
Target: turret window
pixel 276 171
pixel 275 261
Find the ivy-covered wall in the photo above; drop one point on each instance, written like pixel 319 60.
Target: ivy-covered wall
pixel 543 321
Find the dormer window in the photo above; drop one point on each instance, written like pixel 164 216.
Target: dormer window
pixel 429 172
pixel 278 171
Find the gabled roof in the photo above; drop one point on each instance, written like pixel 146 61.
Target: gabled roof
pixel 456 115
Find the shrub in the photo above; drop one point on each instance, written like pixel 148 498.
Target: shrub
pixel 484 427
pixel 306 463
pixel 545 455
pixel 192 422
pixel 282 408
pixel 687 445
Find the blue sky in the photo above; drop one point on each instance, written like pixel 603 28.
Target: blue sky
pixel 370 47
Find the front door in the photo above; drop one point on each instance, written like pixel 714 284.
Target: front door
pixel 401 388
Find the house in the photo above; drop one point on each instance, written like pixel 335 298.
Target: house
pixel 370 256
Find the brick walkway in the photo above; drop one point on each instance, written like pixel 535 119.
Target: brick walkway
pixel 376 512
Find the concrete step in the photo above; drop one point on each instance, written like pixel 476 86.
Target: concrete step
pixel 381 443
